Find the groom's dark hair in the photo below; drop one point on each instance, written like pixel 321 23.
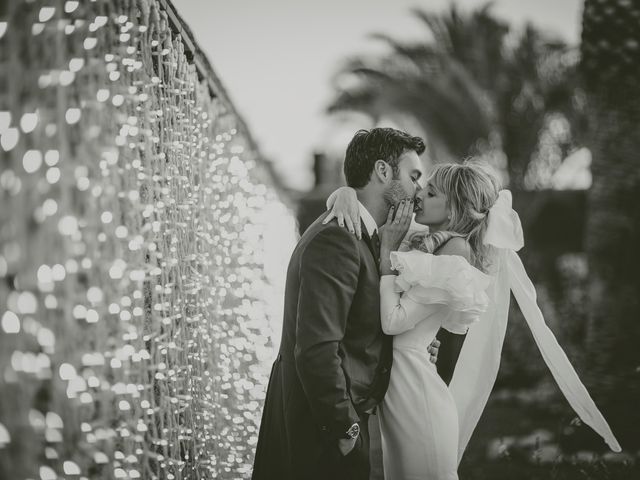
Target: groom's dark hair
pixel 368 146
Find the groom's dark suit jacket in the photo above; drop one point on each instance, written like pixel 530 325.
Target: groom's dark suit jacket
pixel 334 360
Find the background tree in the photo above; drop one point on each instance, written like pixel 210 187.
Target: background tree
pixel 611 67
pixel 473 85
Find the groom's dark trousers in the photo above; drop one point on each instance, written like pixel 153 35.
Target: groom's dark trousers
pixel 334 361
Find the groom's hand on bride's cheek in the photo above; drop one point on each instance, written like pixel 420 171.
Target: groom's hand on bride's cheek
pixel 433 350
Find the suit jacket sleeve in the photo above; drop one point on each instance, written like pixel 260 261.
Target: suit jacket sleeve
pixel 329 273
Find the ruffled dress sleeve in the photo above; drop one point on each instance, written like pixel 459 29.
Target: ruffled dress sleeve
pixel 424 284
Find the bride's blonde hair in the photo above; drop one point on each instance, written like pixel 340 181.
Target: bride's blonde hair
pixel 471 189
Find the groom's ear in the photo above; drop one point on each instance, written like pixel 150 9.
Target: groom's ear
pixel 383 171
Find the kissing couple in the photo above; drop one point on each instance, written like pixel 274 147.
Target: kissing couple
pixel 364 300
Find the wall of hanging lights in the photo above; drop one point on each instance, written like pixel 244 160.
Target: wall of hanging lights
pixel 142 249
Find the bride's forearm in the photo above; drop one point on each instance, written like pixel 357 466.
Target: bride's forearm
pixel 385 262
pixel 341 192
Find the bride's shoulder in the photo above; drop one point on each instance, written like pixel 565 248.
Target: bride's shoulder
pixel 456 246
pixel 448 264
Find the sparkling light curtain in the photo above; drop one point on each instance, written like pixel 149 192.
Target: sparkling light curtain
pixel 134 303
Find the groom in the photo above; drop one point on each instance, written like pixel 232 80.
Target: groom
pixel 334 362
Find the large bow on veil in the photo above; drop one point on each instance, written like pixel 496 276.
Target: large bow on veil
pixel 479 359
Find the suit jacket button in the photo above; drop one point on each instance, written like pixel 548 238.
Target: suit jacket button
pixel 385 370
pixel 324 428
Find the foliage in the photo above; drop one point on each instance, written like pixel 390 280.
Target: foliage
pixel 532 435
pixel 473 85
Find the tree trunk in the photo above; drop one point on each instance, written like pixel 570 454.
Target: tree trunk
pixel 611 35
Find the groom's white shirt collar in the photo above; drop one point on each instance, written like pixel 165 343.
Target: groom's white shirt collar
pixel 369 223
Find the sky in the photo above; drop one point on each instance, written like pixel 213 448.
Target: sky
pixel 276 58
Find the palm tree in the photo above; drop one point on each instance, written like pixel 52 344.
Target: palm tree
pixel 469 84
pixel 610 66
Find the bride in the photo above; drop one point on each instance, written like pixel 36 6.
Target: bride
pixel 458 276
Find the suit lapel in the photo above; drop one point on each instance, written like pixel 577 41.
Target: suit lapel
pixel 368 241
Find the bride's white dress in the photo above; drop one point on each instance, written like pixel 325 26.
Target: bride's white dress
pixel 426 426
pixel 418 417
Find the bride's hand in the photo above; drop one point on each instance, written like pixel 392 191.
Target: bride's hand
pixel 343 204
pixel 395 229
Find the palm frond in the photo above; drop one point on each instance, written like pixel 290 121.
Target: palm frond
pixel 468 79
pixel 417 53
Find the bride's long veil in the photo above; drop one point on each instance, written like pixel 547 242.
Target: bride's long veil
pixel 479 359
